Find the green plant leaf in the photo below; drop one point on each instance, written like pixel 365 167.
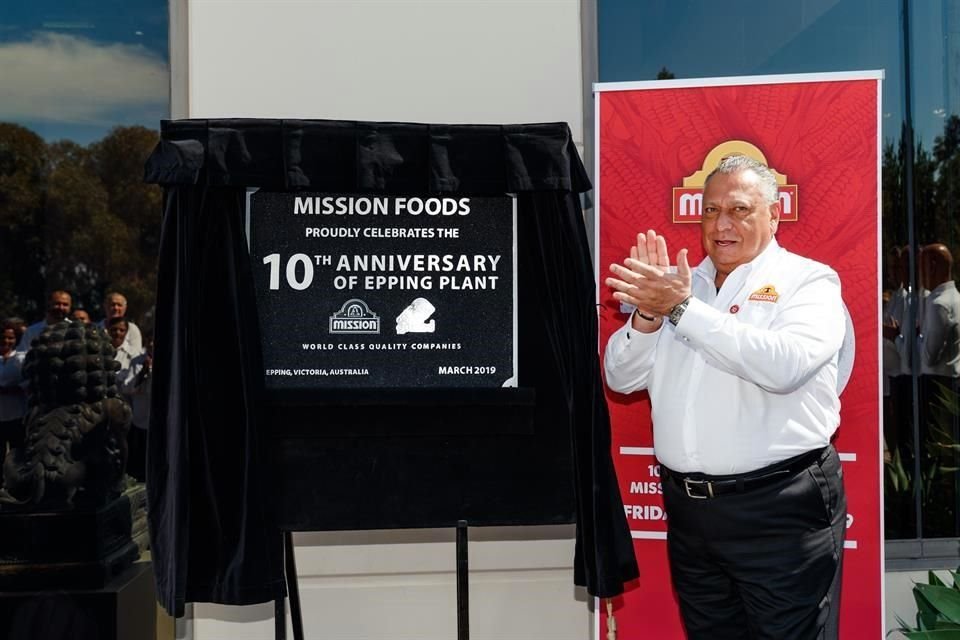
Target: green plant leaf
pixel 926 621
pixel 904 627
pixel 944 600
pixel 936 634
pixel 924 607
pixel 933 579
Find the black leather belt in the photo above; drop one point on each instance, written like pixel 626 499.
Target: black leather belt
pixel 702 487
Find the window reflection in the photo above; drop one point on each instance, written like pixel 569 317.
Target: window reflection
pixel 82 92
pixel 83 88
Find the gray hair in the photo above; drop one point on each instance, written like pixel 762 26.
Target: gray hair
pixel 738 163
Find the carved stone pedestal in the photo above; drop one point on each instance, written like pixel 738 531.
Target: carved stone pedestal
pixel 123 609
pixel 75 549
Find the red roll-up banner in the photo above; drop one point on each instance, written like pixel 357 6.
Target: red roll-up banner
pixel 820 133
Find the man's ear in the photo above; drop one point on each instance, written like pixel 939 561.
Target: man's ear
pixel 774 216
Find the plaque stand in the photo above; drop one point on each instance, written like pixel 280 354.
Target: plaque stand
pixel 293 591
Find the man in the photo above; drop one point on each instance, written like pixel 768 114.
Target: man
pixel 58 308
pixel 740 359
pixel 940 331
pixel 118 329
pixel 136 383
pixel 115 306
pixel 80 315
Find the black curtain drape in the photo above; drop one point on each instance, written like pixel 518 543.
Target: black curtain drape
pixel 212 519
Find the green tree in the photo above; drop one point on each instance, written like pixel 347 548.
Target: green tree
pixel 118 161
pixel 77 218
pixel 23 175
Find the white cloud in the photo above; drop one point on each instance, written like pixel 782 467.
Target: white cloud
pixel 65 78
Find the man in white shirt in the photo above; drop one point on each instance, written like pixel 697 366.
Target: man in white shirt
pixel 739 356
pixel 58 308
pixel 115 306
pixel 940 331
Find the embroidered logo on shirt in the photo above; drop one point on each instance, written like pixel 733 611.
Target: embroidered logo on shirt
pixel 766 293
pixel 735 308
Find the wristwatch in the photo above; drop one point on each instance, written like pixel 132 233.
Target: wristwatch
pixel 677 312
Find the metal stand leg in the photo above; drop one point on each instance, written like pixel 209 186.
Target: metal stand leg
pixel 293 591
pixel 463 595
pixel 280 618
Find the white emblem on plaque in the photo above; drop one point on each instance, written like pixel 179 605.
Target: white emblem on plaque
pixel 414 318
pixel 354 317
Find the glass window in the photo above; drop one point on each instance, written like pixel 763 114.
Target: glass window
pixel 83 88
pixel 935 110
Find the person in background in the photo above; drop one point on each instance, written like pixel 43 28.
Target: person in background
pixel 940 329
pixel 80 315
pixel 117 329
pixel 19 326
pixel 136 382
pixel 58 308
pixel 115 306
pixel 740 357
pixel 12 398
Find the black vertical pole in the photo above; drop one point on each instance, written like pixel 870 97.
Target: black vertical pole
pixel 914 299
pixel 463 596
pixel 280 618
pixel 293 590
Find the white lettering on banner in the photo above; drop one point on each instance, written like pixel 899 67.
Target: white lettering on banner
pixel 786 203
pixel 432 206
pixel 644 512
pixel 365 206
pixel 691 204
pixel 403 283
pixel 417 262
pixel 468 283
pixel 646 487
pixel 340 206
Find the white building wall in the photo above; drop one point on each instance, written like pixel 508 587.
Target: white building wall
pixel 449 61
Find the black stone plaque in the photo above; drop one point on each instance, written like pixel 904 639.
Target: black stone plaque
pixel 365 291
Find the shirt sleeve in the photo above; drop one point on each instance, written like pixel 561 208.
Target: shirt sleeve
pixel 629 358
pixel 934 335
pixel 805 334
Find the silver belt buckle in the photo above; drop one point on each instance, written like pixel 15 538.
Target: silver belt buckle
pixel 687 483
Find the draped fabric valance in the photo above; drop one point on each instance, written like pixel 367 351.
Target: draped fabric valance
pixel 218 474
pixel 322 155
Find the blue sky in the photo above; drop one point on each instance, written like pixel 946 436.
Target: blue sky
pixel 74 69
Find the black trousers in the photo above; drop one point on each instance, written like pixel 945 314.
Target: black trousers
pixel 764 564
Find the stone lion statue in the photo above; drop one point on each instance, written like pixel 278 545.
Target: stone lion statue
pixel 76 423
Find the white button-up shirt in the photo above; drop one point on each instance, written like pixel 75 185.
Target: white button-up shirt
pixel 940 332
pixel 748 377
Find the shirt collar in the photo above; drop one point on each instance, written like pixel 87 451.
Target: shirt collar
pixel 708 271
pixel 944 286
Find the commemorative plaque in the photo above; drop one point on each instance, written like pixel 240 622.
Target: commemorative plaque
pixel 358 291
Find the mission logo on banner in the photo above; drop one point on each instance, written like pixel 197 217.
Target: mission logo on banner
pixel 688 199
pixel 386 292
